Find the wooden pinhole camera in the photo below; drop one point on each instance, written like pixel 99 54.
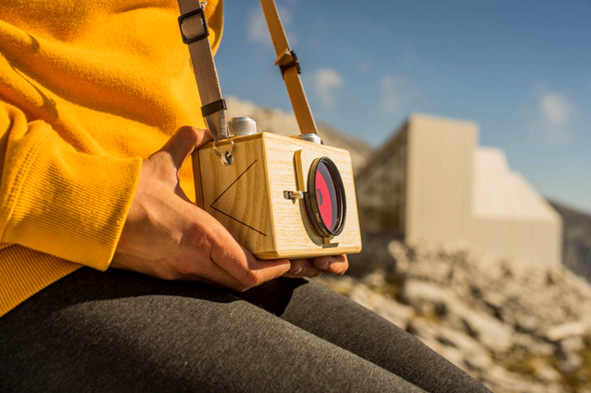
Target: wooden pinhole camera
pixel 282 197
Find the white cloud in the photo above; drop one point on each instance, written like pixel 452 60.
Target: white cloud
pixel 390 95
pixel 258 32
pixel 257 28
pixel 326 80
pixel 556 107
pixel 556 112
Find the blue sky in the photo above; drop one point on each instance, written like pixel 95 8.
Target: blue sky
pixel 521 70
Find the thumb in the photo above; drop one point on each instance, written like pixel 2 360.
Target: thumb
pixel 183 143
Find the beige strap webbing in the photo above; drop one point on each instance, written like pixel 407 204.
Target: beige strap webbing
pixel 287 62
pixel 194 31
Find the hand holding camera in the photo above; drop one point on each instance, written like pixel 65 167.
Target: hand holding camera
pixel 261 194
pixel 167 237
pixel 280 197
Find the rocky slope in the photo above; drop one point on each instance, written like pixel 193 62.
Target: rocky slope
pixel 513 327
pixel 280 122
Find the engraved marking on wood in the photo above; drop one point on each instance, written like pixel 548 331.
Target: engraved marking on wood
pixel 222 194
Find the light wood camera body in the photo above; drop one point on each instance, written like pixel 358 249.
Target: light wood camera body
pixel 248 198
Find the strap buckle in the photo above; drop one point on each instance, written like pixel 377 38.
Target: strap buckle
pixel 197 37
pixel 286 60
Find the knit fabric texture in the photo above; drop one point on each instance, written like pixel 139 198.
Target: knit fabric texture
pixel 87 90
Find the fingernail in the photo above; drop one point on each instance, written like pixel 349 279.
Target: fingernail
pixel 324 265
pixel 298 270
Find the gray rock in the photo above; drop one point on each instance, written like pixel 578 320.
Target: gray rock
pixel 428 298
pixel 514 327
pixel 488 330
pixel 567 330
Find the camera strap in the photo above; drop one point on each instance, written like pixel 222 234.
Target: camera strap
pixel 194 32
pixel 287 62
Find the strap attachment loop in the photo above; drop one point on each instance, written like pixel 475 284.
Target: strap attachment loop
pixel 187 24
pixel 213 107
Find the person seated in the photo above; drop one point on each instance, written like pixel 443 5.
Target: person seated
pixel 111 278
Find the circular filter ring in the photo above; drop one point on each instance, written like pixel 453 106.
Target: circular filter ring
pixel 325 199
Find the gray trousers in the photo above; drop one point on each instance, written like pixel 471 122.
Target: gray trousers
pixel 123 332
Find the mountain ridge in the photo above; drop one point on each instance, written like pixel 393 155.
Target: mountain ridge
pixel 284 123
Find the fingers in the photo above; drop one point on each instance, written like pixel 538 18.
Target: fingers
pixel 183 143
pixel 243 274
pixel 239 263
pixel 232 267
pixel 334 264
pixel 263 271
pixel 302 268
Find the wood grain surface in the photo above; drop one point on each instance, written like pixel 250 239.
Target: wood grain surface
pixel 247 197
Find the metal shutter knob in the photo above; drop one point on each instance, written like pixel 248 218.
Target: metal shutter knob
pixel 242 126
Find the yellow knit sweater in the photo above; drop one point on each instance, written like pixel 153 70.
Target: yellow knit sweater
pixel 87 89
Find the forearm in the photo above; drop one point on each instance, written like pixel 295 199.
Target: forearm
pixel 60 201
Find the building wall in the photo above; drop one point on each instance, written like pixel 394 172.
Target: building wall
pixel 381 188
pixel 510 218
pixel 431 182
pixel 440 171
pixel 537 242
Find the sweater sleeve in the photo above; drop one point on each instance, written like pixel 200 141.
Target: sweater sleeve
pixel 57 200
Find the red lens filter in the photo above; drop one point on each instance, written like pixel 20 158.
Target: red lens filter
pixel 325 199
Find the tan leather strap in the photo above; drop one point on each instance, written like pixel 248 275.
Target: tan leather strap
pixel 287 62
pixel 194 32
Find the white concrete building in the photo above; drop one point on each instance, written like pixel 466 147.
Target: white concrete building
pixel 432 182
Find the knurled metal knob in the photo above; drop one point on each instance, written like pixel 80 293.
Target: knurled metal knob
pixel 238 126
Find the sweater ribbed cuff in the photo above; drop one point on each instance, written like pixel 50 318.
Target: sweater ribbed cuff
pixel 70 204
